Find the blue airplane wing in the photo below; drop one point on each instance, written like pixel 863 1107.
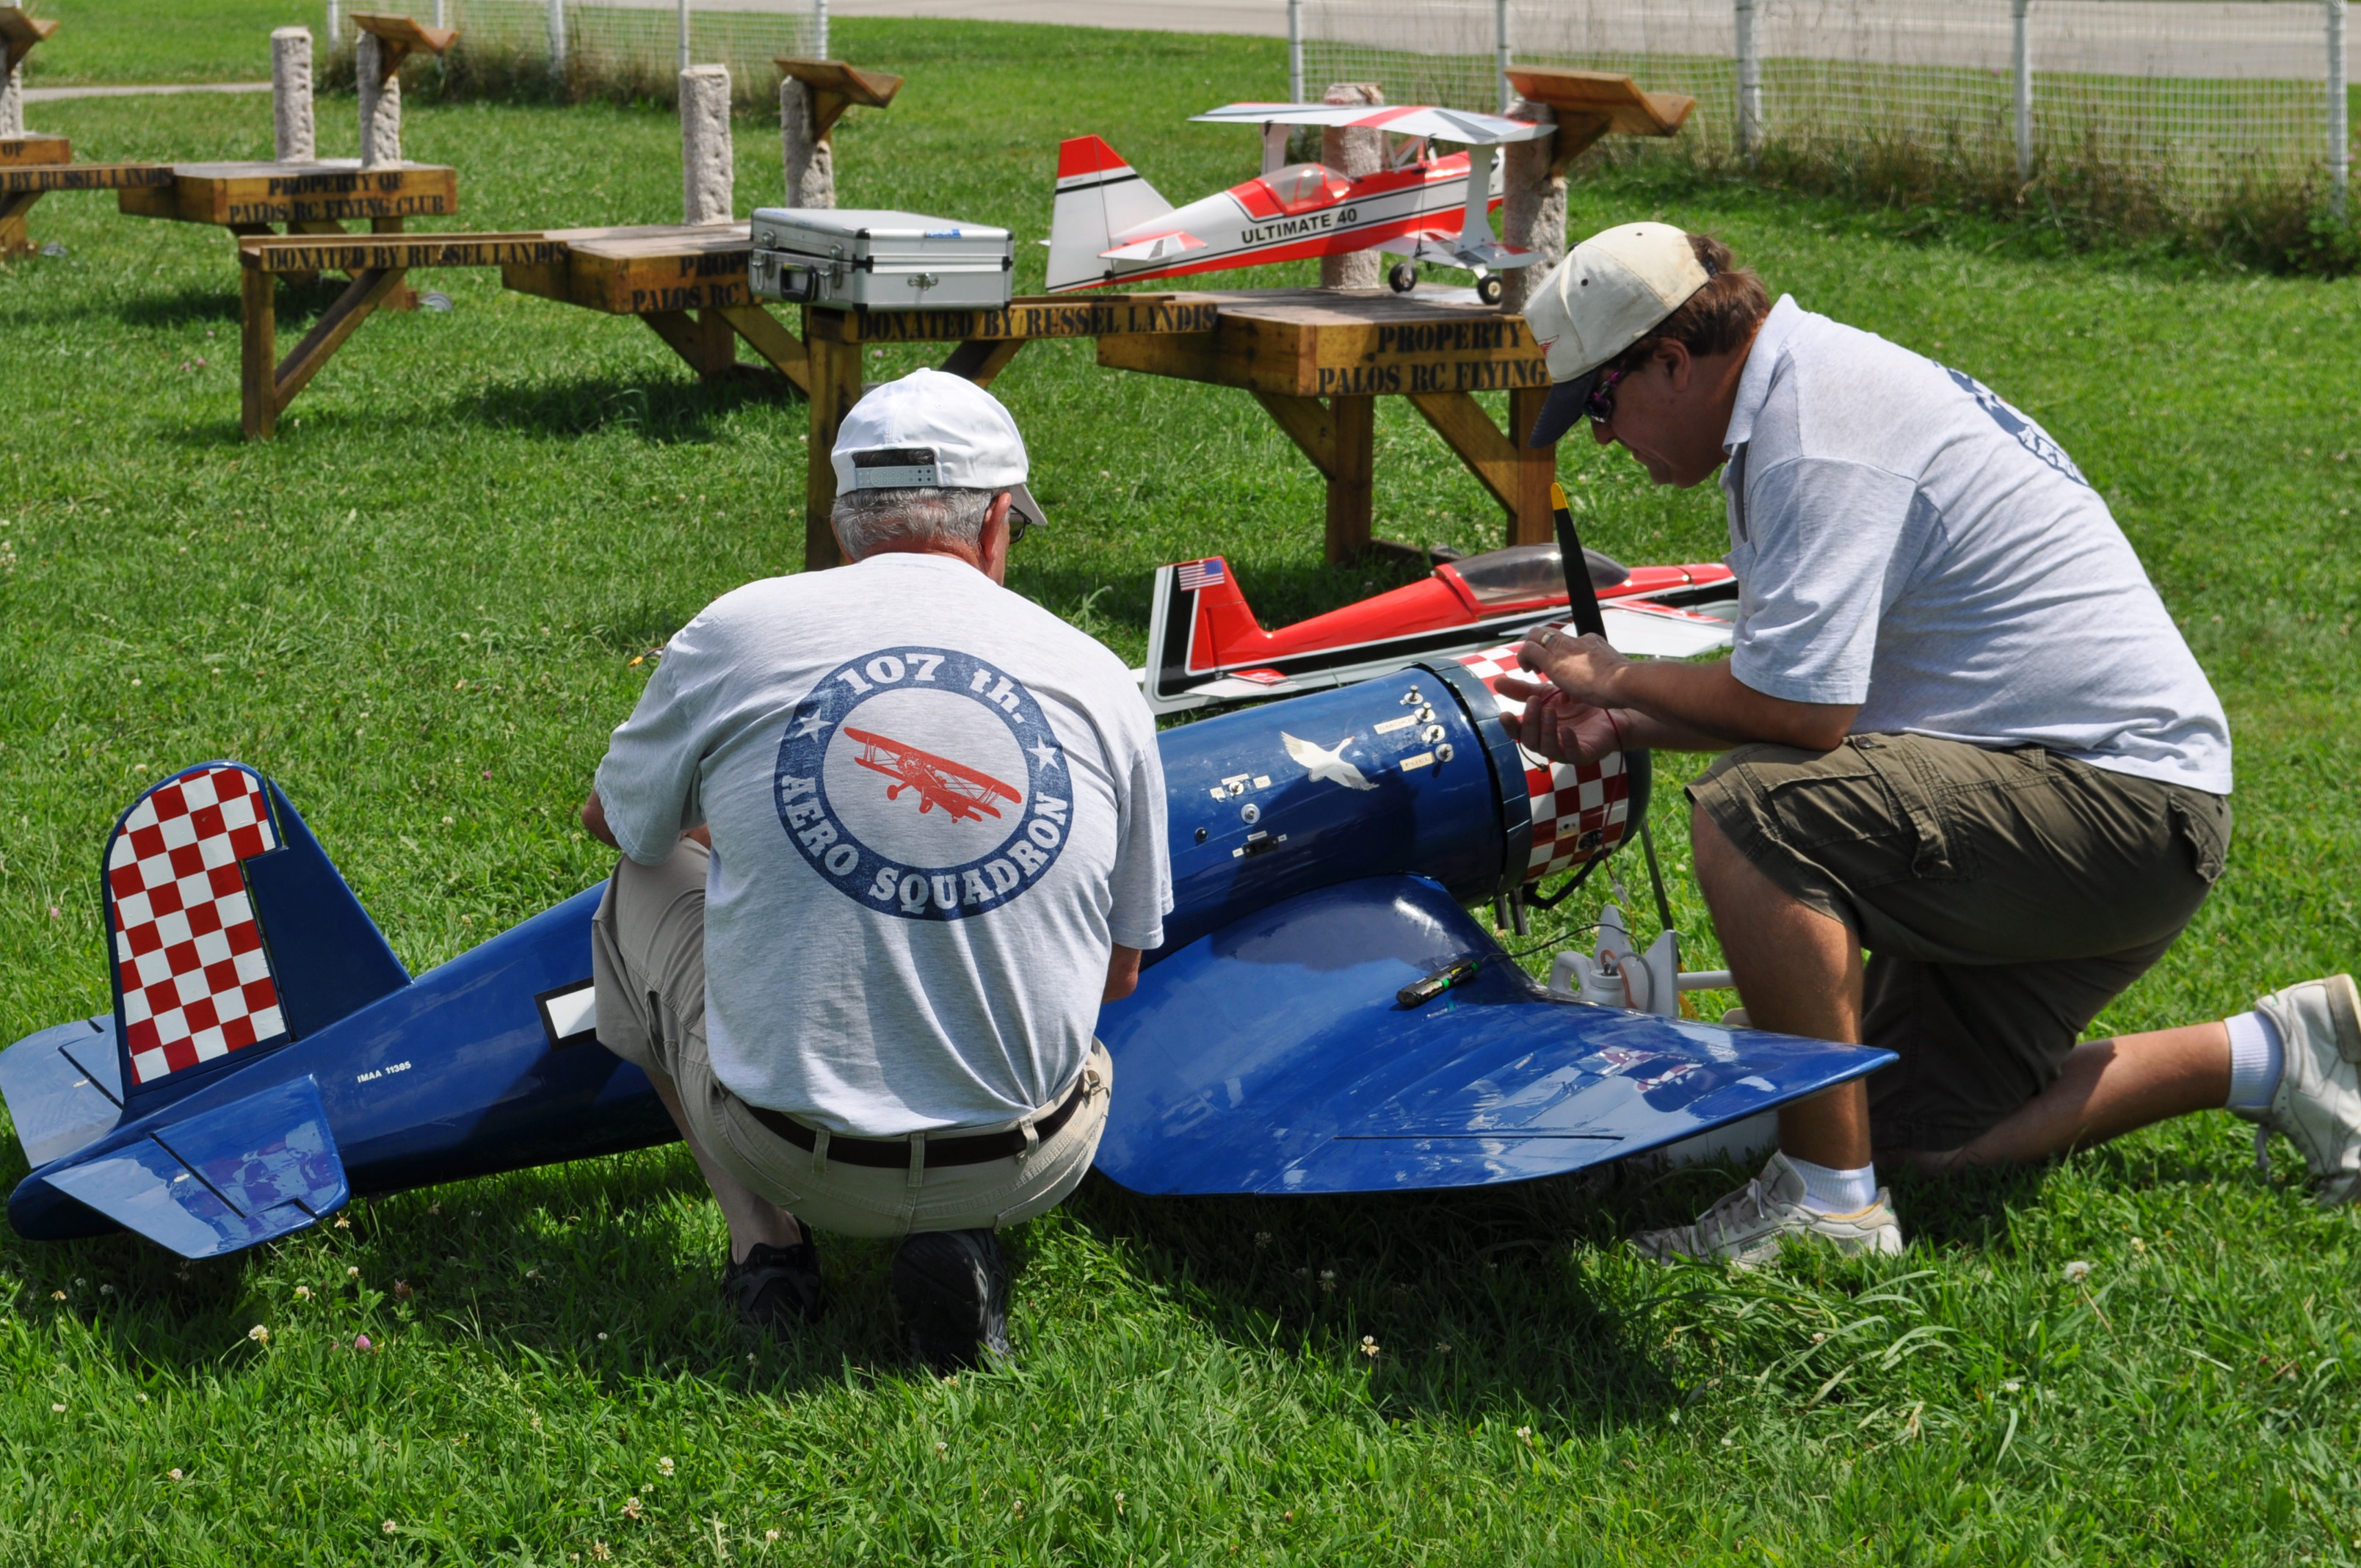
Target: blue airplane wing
pixel 63 1087
pixel 248 1171
pixel 1271 1056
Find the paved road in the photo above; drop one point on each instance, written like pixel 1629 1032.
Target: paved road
pixel 52 94
pixel 1264 18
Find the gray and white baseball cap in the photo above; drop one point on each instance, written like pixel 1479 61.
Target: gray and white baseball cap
pixel 1614 290
pixel 931 428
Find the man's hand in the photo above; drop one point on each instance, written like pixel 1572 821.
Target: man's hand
pixel 1585 668
pixel 1658 704
pixel 1559 726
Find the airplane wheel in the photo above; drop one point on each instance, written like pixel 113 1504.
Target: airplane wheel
pixel 1402 278
pixel 1488 290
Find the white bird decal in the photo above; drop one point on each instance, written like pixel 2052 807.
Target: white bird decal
pixel 1329 765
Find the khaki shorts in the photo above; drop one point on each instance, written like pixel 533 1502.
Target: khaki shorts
pixel 2005 898
pixel 648 958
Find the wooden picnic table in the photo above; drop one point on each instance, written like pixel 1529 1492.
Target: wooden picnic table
pixel 32 166
pixel 1317 360
pixel 309 199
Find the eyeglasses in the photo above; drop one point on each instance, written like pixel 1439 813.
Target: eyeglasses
pixel 1017 524
pixel 1599 407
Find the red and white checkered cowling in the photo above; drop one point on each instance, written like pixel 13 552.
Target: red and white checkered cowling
pixel 1581 810
pixel 190 968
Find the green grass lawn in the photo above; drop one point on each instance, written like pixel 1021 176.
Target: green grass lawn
pixel 524 497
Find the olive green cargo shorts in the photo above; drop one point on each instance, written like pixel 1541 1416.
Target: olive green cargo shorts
pixel 2004 897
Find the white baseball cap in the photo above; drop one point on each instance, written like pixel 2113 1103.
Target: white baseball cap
pixel 933 429
pixel 1612 292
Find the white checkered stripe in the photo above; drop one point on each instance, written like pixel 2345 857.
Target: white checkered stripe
pixel 1581 810
pixel 190 968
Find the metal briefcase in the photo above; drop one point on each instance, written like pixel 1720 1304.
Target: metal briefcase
pixel 879 260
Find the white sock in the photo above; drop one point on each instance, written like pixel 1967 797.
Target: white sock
pixel 2256 1057
pixel 1831 1192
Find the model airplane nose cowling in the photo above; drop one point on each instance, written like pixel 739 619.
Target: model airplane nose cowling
pixel 1406 773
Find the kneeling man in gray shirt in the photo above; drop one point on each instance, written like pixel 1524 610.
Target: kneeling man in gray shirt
pixel 890 833
pixel 1958 729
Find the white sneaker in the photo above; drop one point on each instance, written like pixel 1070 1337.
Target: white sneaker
pixel 1748 1225
pixel 2318 1102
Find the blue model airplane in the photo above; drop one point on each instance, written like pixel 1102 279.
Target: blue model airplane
pixel 1325 1017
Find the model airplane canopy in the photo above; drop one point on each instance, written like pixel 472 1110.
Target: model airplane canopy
pixel 1419 120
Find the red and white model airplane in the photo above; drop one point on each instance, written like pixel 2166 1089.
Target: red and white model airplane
pixel 1204 646
pixel 1110 226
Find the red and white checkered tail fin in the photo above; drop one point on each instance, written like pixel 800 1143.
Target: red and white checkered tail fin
pixel 230 930
pixel 1099 196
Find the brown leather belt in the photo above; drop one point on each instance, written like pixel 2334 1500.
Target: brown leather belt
pixel 894 1154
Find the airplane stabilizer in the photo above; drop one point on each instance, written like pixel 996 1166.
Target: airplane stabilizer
pixel 249 1171
pixel 1099 196
pixel 1274 1055
pixel 231 931
pixel 63 1087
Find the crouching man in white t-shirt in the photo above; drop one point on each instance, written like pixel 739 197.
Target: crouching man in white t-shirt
pixel 891 834
pixel 1959 731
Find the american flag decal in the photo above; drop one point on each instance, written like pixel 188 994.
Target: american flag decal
pixel 1195 575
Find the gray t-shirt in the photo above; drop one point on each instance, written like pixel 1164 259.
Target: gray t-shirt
pixel 934 807
pixel 1906 540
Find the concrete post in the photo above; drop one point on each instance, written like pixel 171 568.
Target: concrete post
pixel 1355 150
pixel 380 103
pixel 335 24
pixel 2340 133
pixel 709 171
pixel 12 102
pixel 1295 52
pixel 1500 51
pixel 291 94
pixel 2021 14
pixel 1532 207
pixel 558 38
pixel 1750 82
pixel 811 162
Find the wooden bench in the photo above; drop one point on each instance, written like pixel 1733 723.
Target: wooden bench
pixel 379 263
pixel 1317 360
pixel 32 166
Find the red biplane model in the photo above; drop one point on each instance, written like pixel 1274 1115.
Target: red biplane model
pixel 965 795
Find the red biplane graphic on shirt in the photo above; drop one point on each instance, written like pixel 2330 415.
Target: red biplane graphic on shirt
pixel 962 792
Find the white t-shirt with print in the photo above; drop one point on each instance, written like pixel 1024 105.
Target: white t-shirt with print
pixel 934 805
pixel 1906 540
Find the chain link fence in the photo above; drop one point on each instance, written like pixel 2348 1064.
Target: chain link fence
pixel 2175 107
pixel 623 48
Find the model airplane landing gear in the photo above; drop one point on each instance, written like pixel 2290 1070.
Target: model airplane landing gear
pixel 1403 276
pixel 1488 288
